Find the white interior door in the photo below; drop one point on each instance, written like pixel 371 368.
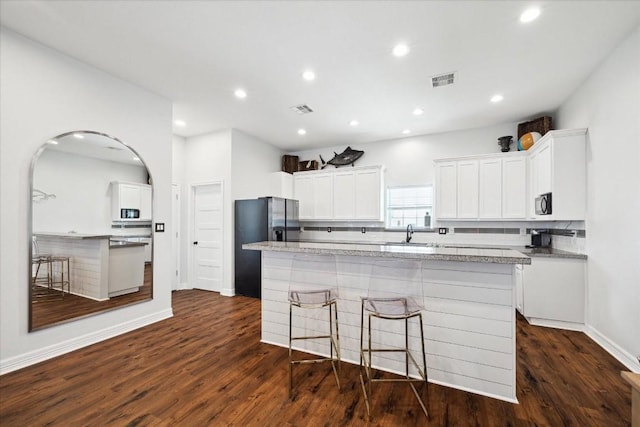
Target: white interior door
pixel 175 237
pixel 207 237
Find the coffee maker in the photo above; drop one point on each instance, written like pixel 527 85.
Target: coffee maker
pixel 540 238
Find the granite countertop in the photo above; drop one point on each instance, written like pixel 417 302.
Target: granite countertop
pixel 548 252
pixel 73 235
pixel 458 254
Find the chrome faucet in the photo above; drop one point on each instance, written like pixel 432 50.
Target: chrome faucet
pixel 409 233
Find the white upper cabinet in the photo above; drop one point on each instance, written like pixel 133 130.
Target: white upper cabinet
pixel 482 187
pixel 468 189
pixel 490 188
pixel 446 190
pixel 344 189
pixel 558 166
pixel 346 194
pixel 368 194
pixel 126 195
pixel 514 187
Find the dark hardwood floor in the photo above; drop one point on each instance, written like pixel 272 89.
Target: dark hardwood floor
pixel 49 308
pixel 206 367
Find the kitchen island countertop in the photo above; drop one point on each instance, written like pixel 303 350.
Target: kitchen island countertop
pixel 408 251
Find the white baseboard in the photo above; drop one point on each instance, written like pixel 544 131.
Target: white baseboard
pixel 228 292
pixel 613 349
pixel 183 286
pixel 557 324
pixel 42 354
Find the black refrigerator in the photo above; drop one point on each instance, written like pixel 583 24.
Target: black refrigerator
pixel 258 220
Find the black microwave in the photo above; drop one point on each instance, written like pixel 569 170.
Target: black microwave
pixel 129 213
pixel 543 204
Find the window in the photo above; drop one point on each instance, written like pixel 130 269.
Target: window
pixel 409 205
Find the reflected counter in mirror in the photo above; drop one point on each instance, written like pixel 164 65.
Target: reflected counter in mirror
pixel 85 257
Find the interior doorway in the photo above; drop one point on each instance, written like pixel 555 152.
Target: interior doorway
pixel 175 236
pixel 206 236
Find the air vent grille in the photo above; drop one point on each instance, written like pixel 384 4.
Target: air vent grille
pixel 442 80
pixel 302 109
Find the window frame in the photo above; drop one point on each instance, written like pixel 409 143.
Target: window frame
pixel 388 209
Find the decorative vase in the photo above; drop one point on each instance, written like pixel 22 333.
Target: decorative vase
pixel 505 143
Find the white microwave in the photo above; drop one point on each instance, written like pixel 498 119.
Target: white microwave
pixel 543 204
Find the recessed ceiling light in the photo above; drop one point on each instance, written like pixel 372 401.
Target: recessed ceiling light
pixel 302 132
pixel 497 98
pixel 77 135
pixel 53 141
pixel 309 75
pixel 180 123
pixel 406 132
pixel 354 123
pixel 400 50
pixel 418 112
pixel 530 15
pixel 240 93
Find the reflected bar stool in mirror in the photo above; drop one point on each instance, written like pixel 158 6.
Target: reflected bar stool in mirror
pixel 395 295
pixel 49 273
pixel 313 288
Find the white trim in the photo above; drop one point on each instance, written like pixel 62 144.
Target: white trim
pixel 556 324
pixel 175 243
pixel 45 353
pixel 613 349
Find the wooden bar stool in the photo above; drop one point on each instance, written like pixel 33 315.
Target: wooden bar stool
pixel 312 285
pixel 395 294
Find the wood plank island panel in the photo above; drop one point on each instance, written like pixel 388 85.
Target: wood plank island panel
pixel 206 367
pixel 469 317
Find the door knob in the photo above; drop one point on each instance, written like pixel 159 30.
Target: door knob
pixel 195 243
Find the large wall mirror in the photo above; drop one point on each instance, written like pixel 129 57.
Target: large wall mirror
pixel 91 238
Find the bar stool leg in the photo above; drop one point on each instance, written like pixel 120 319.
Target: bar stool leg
pixel 290 359
pixel 335 344
pixel 363 367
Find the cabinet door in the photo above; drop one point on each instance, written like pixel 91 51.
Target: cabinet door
pixel 303 191
pixel 543 170
pixel 129 196
pixel 145 202
pixel 344 195
pixel 446 190
pixel 368 189
pixel 468 189
pixel 323 196
pixel 514 187
pixel 490 188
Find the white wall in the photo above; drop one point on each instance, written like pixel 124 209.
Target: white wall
pixel 44 94
pixel 608 103
pixel 178 178
pixel 243 164
pixel 409 161
pixel 253 161
pixel 82 205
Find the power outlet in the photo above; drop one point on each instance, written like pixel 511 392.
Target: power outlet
pixel 328 229
pixel 364 230
pixel 442 230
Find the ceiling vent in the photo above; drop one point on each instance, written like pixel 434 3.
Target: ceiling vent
pixel 301 109
pixel 442 80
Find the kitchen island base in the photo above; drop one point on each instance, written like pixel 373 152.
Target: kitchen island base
pixel 469 318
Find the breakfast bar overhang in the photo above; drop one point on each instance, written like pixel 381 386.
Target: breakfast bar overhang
pixel 468 295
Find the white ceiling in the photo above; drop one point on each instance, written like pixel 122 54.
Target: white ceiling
pixel 196 53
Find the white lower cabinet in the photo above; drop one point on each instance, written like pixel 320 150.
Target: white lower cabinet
pixel 552 292
pixel 346 194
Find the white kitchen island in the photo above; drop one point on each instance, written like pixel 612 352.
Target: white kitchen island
pixel 100 269
pixel 469 298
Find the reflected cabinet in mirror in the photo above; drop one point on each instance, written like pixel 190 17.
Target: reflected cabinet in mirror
pixel 91 239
